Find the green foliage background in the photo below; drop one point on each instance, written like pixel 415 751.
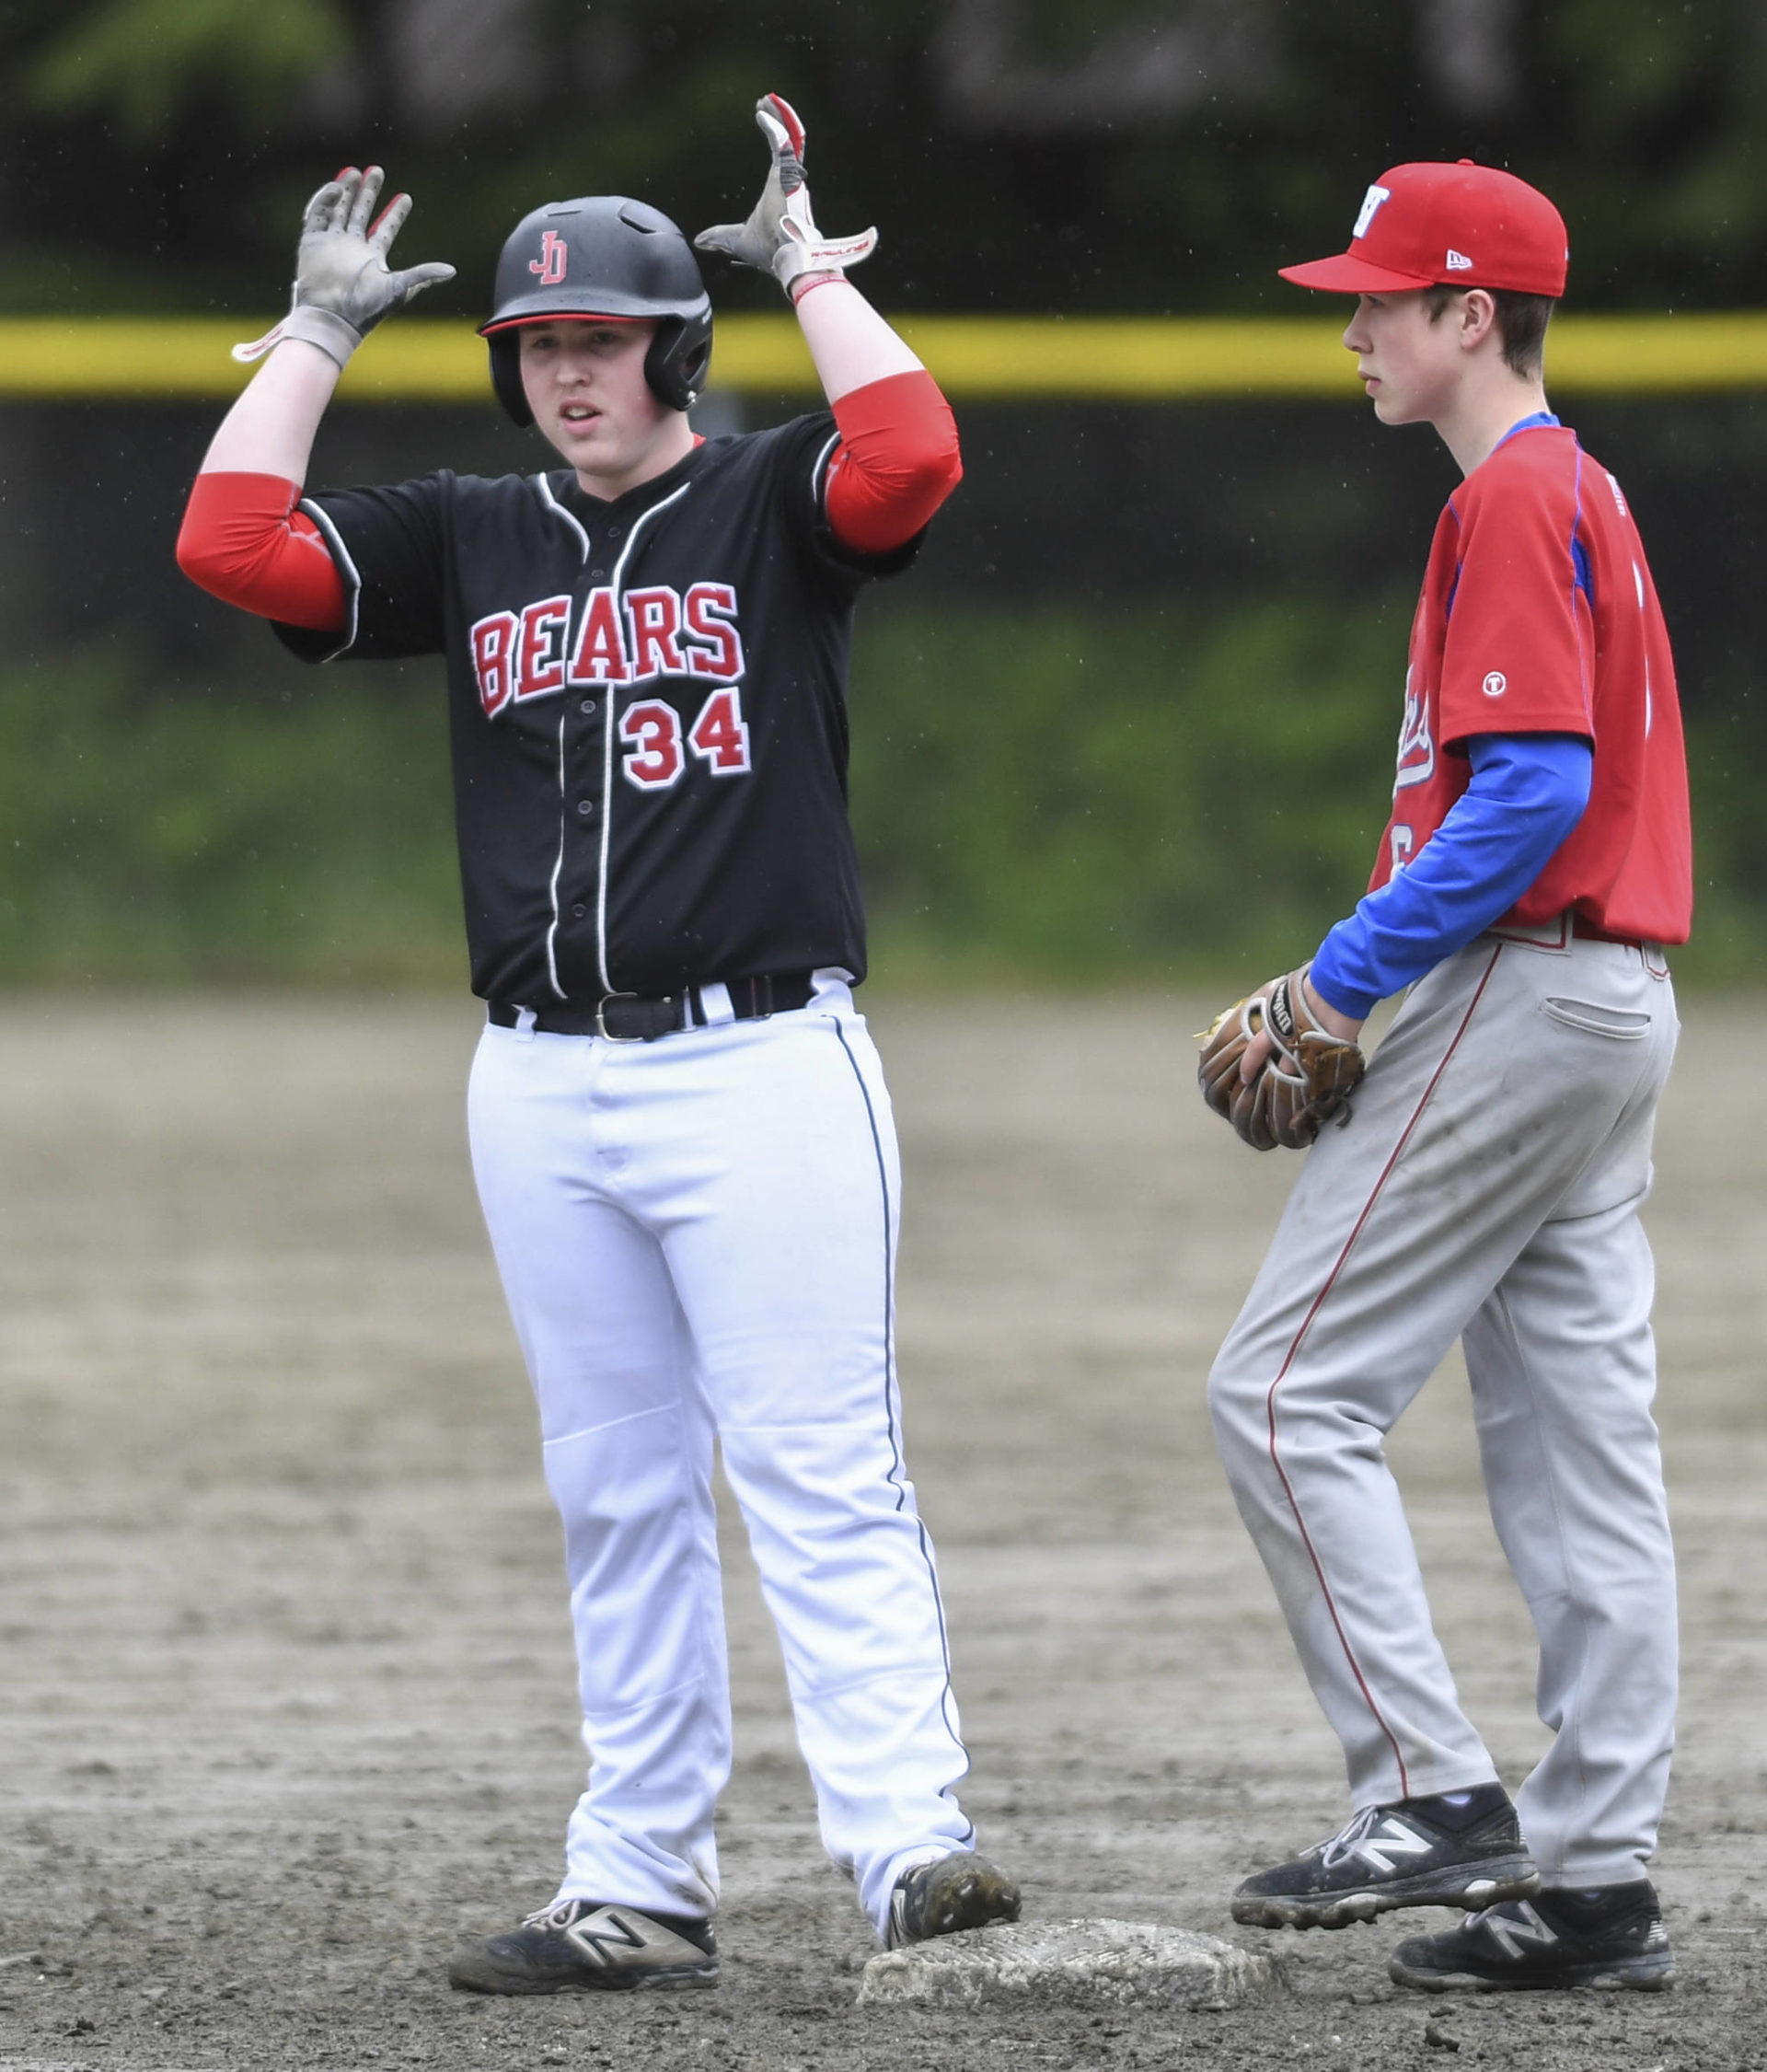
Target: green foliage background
pixel 1146 795
pixel 156 153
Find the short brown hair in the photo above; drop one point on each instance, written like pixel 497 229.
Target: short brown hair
pixel 1521 323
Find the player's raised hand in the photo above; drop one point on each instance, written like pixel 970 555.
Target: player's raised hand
pixel 780 237
pixel 343 285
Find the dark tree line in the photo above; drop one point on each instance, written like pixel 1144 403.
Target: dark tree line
pixel 1034 155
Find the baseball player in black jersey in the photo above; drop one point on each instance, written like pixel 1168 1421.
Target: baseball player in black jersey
pixel 679 1129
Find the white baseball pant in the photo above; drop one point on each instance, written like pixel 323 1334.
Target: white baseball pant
pixel 1487 1187
pixel 697 1238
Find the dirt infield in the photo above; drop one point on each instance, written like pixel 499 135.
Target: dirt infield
pixel 285 1696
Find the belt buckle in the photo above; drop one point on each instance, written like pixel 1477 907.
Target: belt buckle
pixel 602 1029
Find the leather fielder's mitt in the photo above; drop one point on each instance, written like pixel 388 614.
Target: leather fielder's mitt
pixel 1307 1079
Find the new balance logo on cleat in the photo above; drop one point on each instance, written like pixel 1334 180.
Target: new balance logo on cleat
pixel 582 1945
pixel 607 1935
pixel 1461 1849
pixel 1381 1848
pixel 1514 1928
pixel 1611 1937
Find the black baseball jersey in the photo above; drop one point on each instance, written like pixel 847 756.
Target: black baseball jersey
pixel 648 710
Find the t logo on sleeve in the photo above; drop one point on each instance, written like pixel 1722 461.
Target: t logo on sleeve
pixel 1496 684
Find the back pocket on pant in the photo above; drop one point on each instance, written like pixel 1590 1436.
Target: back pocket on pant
pixel 1595 1020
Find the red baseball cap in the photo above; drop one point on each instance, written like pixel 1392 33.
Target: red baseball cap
pixel 1465 225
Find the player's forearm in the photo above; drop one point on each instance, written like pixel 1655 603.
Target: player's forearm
pixel 1528 792
pixel 269 429
pixel 850 343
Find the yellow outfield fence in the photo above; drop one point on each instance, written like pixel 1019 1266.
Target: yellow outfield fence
pixel 1126 359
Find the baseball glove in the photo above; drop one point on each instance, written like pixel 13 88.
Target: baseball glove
pixel 1307 1077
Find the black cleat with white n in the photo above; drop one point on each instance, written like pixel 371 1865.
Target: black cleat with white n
pixel 1609 1935
pixel 1463 1848
pixel 948 1896
pixel 582 1945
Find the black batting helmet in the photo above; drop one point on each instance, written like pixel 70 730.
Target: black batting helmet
pixel 602 256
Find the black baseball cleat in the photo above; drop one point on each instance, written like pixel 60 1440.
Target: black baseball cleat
pixel 583 1946
pixel 954 1893
pixel 1461 1848
pixel 1611 1935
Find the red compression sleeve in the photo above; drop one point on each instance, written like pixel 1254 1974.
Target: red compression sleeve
pixel 244 542
pixel 896 462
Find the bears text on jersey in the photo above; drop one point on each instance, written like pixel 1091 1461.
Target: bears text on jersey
pixel 654 632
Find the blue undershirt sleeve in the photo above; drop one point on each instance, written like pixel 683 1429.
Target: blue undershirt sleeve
pixel 1526 792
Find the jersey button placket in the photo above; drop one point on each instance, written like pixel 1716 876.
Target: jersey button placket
pixel 592 746
pixel 585 748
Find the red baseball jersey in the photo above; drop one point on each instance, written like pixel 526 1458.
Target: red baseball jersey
pixel 1539 616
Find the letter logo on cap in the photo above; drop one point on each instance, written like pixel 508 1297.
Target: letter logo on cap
pixel 1458 262
pixel 1371 202
pixel 550 264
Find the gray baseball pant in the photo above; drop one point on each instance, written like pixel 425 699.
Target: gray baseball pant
pixel 1487 1187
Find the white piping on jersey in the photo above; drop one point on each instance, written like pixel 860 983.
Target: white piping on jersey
pixel 607 742
pixel 557 509
pixel 606 772
pixel 1638 584
pixel 558 867
pixel 818 487
pixel 346 568
pixel 570 517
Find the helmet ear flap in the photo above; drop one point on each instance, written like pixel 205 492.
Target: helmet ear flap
pixel 506 375
pixel 675 364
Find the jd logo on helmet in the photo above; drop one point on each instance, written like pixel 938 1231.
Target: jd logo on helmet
pixel 550 265
pixel 1371 202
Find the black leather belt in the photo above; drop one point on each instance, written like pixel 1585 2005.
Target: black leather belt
pixel 626 1018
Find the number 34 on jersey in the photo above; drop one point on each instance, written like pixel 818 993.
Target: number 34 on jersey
pixel 646 634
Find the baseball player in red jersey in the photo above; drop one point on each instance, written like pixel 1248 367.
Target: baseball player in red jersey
pixel 680 1131
pixel 1486 1180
